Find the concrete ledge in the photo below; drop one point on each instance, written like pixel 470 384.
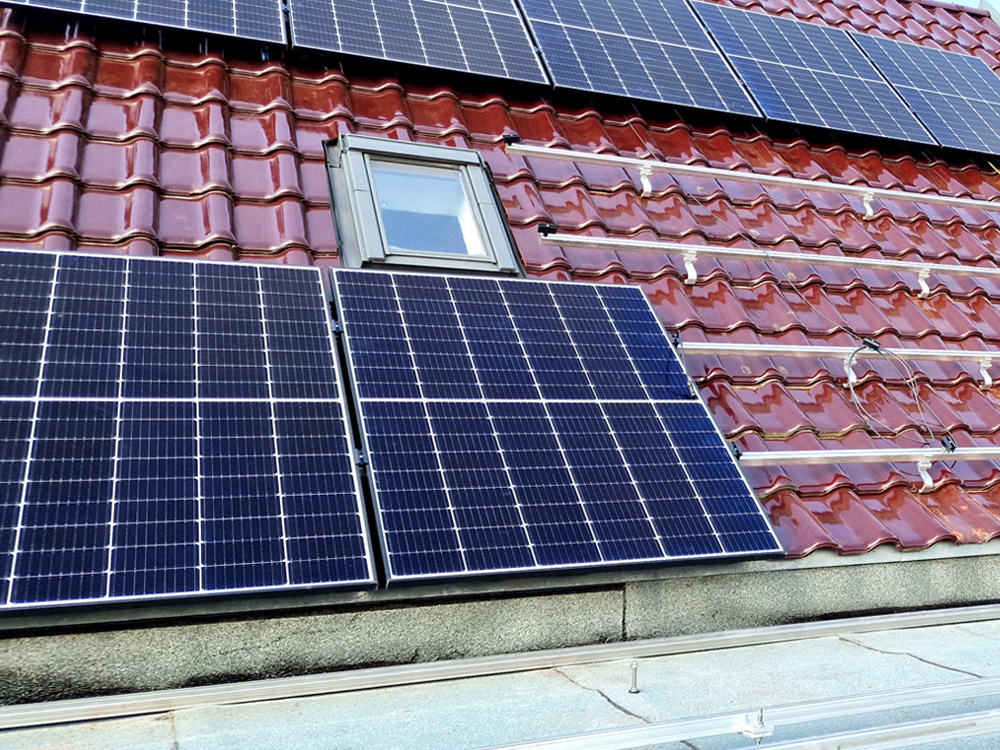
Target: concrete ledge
pixel 149 656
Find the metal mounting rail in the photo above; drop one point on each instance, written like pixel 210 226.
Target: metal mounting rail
pixel 923 457
pixel 762 722
pixel 910 734
pixel 159 701
pixel 847 353
pixel 690 254
pixel 647 166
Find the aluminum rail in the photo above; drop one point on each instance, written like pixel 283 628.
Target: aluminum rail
pixel 690 254
pixel 923 457
pixel 160 701
pixel 910 734
pixel 848 354
pixel 647 166
pixel 760 723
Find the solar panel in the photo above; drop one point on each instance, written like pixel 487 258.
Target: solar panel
pixel 520 425
pixel 956 96
pixel 473 36
pixel 810 74
pixel 646 49
pixel 170 428
pixel 248 19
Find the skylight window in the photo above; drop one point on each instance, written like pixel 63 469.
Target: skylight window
pixel 401 203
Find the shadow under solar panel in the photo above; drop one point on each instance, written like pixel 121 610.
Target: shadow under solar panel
pixel 523 425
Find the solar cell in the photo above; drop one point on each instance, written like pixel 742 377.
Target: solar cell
pixel 956 96
pixel 647 49
pixel 811 74
pixel 515 426
pixel 473 36
pixel 248 19
pixel 170 428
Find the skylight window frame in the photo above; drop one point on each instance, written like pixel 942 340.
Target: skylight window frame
pixel 360 226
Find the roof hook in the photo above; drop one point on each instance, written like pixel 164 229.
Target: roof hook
pixel 984 370
pixel 922 277
pixel 923 466
pixel 692 273
pixel 867 199
pixel 645 172
pixel 852 377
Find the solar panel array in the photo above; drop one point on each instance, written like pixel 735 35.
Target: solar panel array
pixel 810 74
pixel 647 49
pixel 956 96
pixel 474 36
pixel 170 428
pixel 517 426
pixel 248 19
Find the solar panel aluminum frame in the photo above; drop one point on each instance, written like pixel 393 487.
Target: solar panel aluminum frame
pixel 214 595
pixel 605 565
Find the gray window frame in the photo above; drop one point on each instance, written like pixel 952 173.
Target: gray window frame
pixel 356 213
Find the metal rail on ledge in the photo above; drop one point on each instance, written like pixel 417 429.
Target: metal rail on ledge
pixel 690 255
pixel 646 167
pixel 923 457
pixel 761 723
pixel 846 353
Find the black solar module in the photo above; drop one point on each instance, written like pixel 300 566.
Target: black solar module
pixel 956 96
pixel 647 49
pixel 249 19
pixel 516 426
pixel 474 36
pixel 170 428
pixel 811 74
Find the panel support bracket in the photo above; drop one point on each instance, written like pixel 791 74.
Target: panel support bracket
pixel 756 729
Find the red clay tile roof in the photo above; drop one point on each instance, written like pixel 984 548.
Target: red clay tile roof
pixel 188 149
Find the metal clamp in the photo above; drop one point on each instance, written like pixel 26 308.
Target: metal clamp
pixel 757 730
pixel 924 466
pixel 852 377
pixel 867 199
pixel 647 186
pixel 984 370
pixel 692 273
pixel 922 277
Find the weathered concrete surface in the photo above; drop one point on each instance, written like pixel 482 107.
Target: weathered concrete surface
pixel 716 603
pixel 48 667
pixel 116 659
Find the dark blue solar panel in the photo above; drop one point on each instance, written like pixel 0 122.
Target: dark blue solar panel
pixel 473 36
pixel 810 74
pixel 247 19
pixel 956 96
pixel 646 49
pixel 169 428
pixel 515 425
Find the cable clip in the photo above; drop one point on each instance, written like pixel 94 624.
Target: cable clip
pixel 510 139
pixel 871 344
pixel 546 228
pixel 737 451
pixel 948 443
pixel 645 172
pixel 692 273
pixel 922 277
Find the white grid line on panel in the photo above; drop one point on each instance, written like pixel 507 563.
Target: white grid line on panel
pixel 199 453
pixel 496 435
pixel 116 456
pixel 555 433
pixel 430 429
pixel 611 430
pixel 274 432
pixel 666 431
pixel 22 503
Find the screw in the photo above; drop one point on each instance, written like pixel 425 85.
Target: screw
pixel 633 688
